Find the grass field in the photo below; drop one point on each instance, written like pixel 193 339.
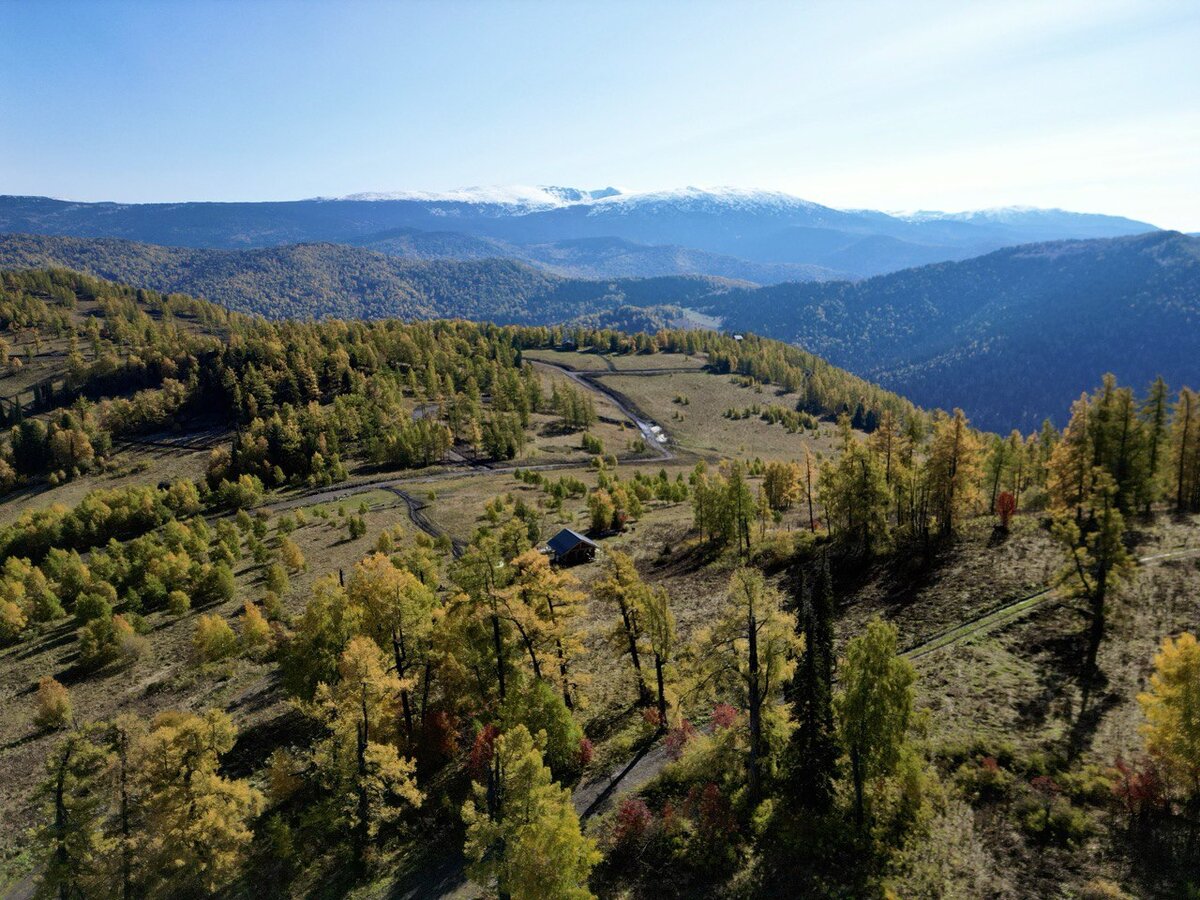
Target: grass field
pixel 699 425
pixel 614 362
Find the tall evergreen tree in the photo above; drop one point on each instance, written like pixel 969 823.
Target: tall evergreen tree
pixel 814 751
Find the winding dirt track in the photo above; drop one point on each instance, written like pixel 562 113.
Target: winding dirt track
pixel 465 467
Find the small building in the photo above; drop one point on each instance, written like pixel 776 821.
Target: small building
pixel 569 548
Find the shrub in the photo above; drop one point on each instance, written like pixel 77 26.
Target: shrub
pixel 273 606
pixel 277 579
pixel 984 781
pixel 291 556
pixel 256 631
pixel 12 621
pixel 93 605
pixel 214 640
pixel 53 705
pixel 678 738
pixel 631 824
pixel 178 603
pixel 110 639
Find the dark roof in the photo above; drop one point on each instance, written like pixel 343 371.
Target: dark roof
pixel 566 539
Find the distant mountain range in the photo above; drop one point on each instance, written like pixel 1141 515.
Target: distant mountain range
pixel 302 281
pixel 761 236
pixel 1008 336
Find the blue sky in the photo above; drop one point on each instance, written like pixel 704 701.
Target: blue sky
pixel 1093 106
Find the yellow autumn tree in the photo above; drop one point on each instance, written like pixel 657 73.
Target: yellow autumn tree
pixel 357 761
pixel 1172 710
pixel 196 828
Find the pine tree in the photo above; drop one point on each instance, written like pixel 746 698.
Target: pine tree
pixel 814 751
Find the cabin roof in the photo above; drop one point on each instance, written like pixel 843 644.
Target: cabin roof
pixel 566 539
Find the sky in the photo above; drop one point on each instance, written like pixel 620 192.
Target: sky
pixel 1092 106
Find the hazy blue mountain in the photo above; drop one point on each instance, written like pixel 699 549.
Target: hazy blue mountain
pixel 716 232
pixel 322 279
pixel 600 257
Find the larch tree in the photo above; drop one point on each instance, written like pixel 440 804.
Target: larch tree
pixel 1185 451
pixel 397 612
pixel 1071 462
pixel 660 631
pixel 196 822
pixel 623 587
pixel 953 469
pixel 1172 711
pixel 749 653
pixel 1155 415
pixel 522 831
pixel 72 843
pixel 357 761
pixel 542 604
pixel 873 707
pixel 854 493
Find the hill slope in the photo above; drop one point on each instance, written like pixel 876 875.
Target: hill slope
pixel 317 280
pixel 1010 336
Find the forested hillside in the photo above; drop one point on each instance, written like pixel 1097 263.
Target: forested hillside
pixel 301 281
pixel 282 614
pixel 1009 336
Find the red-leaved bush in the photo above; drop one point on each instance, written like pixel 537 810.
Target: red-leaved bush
pixel 724 715
pixel 587 751
pixel 651 717
pixel 481 752
pixel 633 821
pixel 1139 789
pixel 678 737
pixel 711 812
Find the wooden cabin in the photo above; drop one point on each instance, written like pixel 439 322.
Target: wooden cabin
pixel 569 548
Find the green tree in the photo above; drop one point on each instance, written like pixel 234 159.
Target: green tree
pixel 814 751
pixel 873 707
pixel 522 831
pixel 72 844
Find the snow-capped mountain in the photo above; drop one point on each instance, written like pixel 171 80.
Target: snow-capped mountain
pixel 774 232
pixel 518 198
